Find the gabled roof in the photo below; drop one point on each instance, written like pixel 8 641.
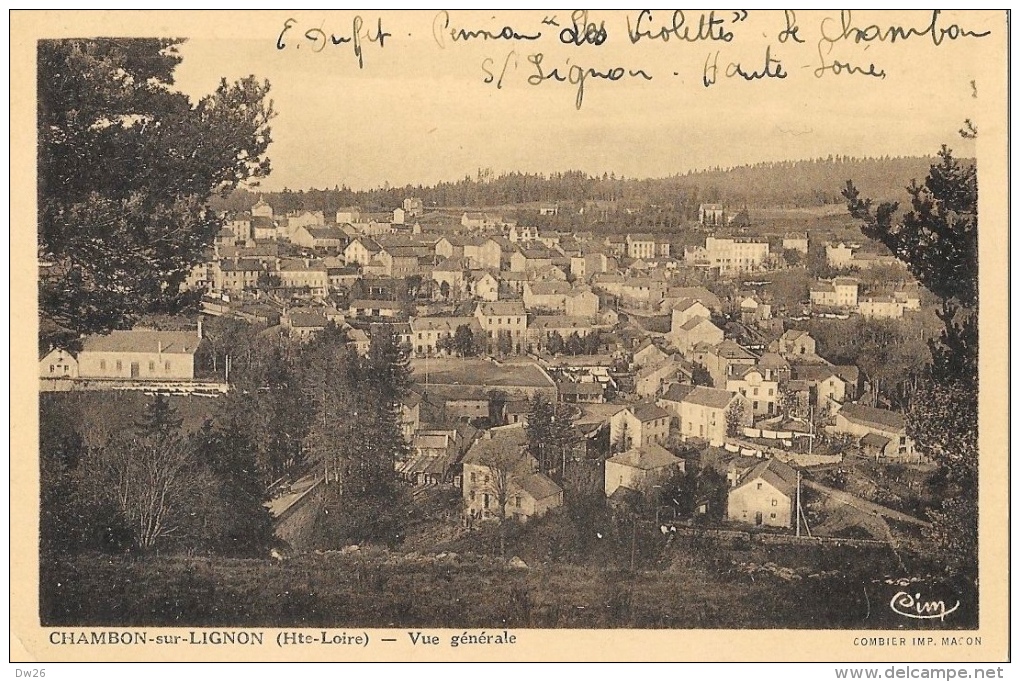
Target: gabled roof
pixel 696 322
pixel 697 293
pixel 579 388
pixel 326 233
pixel 873 416
pixel 646 412
pixel 625 495
pixel 142 341
pixel 371 245
pixel 677 392
pixel 793 334
pixel 499 443
pixel 559 322
pixel 538 486
pixel 298 265
pixel 447 324
pixel 709 397
pixel 502 308
pixel 773 361
pixel 814 372
pixel 548 288
pixel 686 303
pixel 646 457
pixel 731 350
pixel 410 399
pixel 240 265
pixel 451 265
pixel 874 440
pixel 740 371
pixel 307 318
pixel 777 473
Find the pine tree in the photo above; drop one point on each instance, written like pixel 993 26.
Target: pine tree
pixel 237 521
pixel 938 241
pixel 126 165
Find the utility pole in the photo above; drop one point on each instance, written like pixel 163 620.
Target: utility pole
pixel 811 428
pixel 798 503
pixel 633 545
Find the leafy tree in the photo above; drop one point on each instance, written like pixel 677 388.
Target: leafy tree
pixel 126 165
pixel 735 415
pixel 464 341
pixel 156 481
pixel 793 257
pixel 69 520
pixel 504 342
pixel 554 344
pixel 937 239
pixel 574 344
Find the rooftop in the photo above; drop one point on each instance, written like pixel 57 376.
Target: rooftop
pixel 709 397
pixel 142 341
pixel 651 456
pixel 873 416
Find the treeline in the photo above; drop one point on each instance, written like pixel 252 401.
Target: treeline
pixel 764 185
pixel 159 483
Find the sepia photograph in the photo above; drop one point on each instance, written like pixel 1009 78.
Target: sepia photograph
pixel 478 330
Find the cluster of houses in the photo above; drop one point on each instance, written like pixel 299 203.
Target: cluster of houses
pixel 842 256
pixel 842 294
pixel 512 291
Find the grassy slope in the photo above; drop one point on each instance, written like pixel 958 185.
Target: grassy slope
pixel 687 586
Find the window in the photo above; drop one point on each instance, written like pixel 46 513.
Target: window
pixel 166 366
pixel 485 501
pixel 517 501
pixel 759 485
pixel 770 392
pixel 119 365
pixel 775 502
pixel 52 368
pixel 486 479
pixel 473 476
pixel 152 365
pixel 472 495
pixel 772 515
pixel 102 364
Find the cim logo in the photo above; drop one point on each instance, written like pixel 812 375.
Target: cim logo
pixel 913 606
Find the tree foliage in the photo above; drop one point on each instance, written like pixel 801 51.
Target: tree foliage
pixel 126 166
pixel 938 240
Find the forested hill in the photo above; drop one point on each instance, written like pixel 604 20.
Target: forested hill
pixel 781 184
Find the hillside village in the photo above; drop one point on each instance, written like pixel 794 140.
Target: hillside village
pixel 669 361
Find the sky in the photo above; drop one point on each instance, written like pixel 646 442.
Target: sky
pixel 418 110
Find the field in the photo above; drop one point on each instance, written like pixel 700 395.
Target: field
pixel 377 588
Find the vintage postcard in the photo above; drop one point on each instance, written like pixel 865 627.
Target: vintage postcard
pixel 509 335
